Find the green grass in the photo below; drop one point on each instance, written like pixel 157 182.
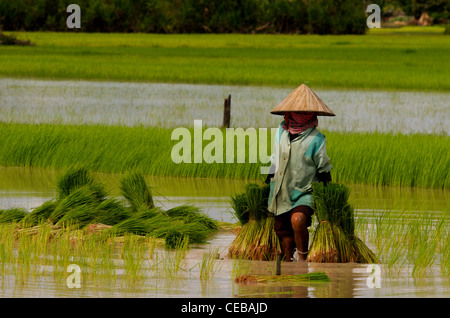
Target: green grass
pixel 414 160
pixel 407 60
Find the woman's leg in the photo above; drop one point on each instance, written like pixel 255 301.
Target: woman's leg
pixel 300 220
pixel 285 235
pixel 301 235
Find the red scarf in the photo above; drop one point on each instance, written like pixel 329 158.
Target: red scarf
pixel 297 122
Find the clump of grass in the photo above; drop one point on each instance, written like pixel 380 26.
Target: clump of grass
pixel 334 238
pixel 256 239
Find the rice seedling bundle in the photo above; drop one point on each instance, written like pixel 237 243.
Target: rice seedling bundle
pixel 80 216
pixel 189 213
pixel 174 238
pixel 334 237
pixel 12 215
pixel 256 239
pixel 111 211
pixel 39 214
pixel 316 277
pixel 82 202
pixel 74 178
pixel 135 190
pixel 82 196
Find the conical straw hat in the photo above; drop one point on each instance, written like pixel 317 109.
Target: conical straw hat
pixel 303 100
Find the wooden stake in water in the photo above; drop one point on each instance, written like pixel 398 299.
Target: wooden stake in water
pixel 226 112
pixel 278 269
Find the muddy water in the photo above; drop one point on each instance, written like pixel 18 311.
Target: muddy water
pixel 29 188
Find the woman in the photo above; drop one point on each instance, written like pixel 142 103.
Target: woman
pixel 299 159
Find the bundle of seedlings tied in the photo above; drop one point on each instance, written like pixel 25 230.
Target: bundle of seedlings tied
pixel 82 202
pixel 256 239
pixel 334 238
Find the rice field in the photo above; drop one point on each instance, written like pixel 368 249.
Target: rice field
pixel 400 61
pixel 414 160
pixel 64 101
pixel 413 264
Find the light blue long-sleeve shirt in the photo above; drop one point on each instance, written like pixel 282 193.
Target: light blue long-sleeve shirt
pixel 297 164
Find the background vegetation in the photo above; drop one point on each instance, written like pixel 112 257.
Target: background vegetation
pixel 190 16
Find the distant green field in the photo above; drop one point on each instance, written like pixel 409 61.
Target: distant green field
pixel 403 59
pixel 414 160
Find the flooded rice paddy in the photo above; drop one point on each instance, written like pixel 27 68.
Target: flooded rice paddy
pixel 133 104
pixel 396 223
pixel 205 270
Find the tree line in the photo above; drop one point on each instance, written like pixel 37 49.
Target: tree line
pixel 190 16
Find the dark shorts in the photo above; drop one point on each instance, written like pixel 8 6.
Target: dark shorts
pixel 283 225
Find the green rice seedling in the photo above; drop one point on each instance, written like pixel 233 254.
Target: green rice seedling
pixel 173 239
pixel 215 61
pixel 240 266
pixel 427 247
pixel 111 211
pixel 173 259
pixel 192 214
pixel 78 216
pixel 362 253
pixel 85 195
pixel 135 190
pixel 12 215
pixel 7 240
pixel 39 214
pixel 207 264
pixel 74 178
pixel 323 247
pixel 146 214
pixel 133 256
pixel 256 239
pixel 315 277
pixel 196 232
pixel 334 239
pixel 239 208
pixel 344 246
pixel 445 255
pixel 131 226
pixel 117 148
pixel 256 201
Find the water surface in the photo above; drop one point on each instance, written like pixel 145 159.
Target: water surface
pixel 178 105
pixel 30 187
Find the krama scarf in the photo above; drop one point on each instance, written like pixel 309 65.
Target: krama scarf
pixel 297 122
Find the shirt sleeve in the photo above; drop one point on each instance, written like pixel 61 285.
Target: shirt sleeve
pixel 321 159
